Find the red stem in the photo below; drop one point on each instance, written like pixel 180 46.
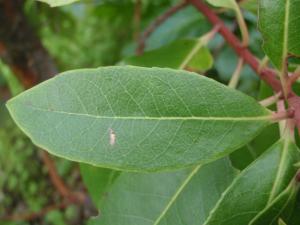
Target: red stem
pixel 156 23
pixel 266 74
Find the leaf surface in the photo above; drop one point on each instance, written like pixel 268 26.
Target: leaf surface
pixel 173 198
pixel 257 186
pixel 97 180
pixel 173 55
pixel 135 118
pixel 186 23
pixel 281 206
pixel 279 23
pixel 230 4
pixel 54 3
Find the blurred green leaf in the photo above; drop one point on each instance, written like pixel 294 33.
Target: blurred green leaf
pixel 54 3
pixel 11 80
pixel 187 23
pixel 97 180
pixel 173 55
pixel 226 63
pixel 250 5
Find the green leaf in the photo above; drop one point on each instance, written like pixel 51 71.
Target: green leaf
pixel 182 197
pixel 231 4
pixel 173 55
pixel 294 218
pixel 250 5
pixel 279 23
pixel 281 222
pixel 135 118
pixel 186 23
pixel 257 186
pixel 54 3
pixel 13 83
pixel 241 158
pixel 283 204
pixel 97 180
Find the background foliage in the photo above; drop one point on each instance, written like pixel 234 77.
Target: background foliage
pixel 94 33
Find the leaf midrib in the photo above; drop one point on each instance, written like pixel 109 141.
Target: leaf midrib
pixel 280 171
pixel 208 118
pixel 177 193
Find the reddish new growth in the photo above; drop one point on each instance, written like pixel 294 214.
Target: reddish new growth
pixel 266 74
pixel 298 177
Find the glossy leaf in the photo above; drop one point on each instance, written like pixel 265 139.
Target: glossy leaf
pixel 173 55
pixel 135 118
pixel 183 197
pixel 279 23
pixel 54 3
pixel 257 186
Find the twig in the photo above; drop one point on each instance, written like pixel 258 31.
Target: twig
pixel 55 178
pixel 266 74
pixel 282 115
pixel 263 63
pixel 236 75
pixel 271 100
pixel 281 108
pixel 292 79
pixel 137 19
pixel 242 25
pixel 156 23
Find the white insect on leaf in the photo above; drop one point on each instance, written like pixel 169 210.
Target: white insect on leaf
pixel 112 137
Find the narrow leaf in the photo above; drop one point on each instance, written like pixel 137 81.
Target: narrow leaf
pixel 183 197
pixel 257 186
pixel 281 222
pixel 135 118
pixel 173 55
pixel 279 23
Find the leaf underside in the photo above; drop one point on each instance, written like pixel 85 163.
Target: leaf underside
pixel 173 198
pixel 256 187
pixel 135 118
